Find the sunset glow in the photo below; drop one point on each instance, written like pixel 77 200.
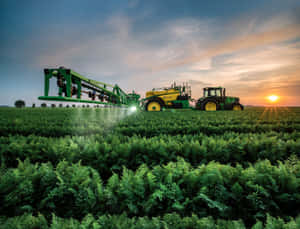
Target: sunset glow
pixel 273 98
pixel 249 49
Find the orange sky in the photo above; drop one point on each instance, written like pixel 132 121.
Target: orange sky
pixel 252 48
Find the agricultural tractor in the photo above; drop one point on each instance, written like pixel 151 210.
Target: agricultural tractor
pixel 73 87
pixel 214 98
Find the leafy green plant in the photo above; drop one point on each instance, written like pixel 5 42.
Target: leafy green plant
pixel 73 190
pixel 109 168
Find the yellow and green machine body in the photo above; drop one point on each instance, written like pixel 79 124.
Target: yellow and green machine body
pixel 177 97
pixel 73 87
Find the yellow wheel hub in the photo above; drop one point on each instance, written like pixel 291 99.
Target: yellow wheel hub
pixel 237 108
pixel 210 106
pixel 153 106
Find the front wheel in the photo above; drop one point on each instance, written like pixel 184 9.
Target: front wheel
pixel 210 106
pixel 237 107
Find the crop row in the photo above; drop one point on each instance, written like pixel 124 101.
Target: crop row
pixel 61 122
pixel 59 129
pixel 168 221
pixel 175 129
pixel 194 122
pixel 57 123
pixel 249 116
pixel 73 190
pixel 110 153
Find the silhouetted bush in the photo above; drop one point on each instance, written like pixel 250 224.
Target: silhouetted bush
pixel 20 103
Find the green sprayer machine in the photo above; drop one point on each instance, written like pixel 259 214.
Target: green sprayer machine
pixel 73 87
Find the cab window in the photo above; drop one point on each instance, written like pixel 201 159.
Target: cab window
pixel 206 93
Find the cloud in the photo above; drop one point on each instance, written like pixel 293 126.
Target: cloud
pixel 198 82
pixel 124 53
pixel 237 44
pixel 202 65
pixel 245 54
pixel 171 45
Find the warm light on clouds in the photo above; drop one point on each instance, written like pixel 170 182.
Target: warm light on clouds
pixel 251 50
pixel 247 64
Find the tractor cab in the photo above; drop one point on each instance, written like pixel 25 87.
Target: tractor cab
pixel 213 91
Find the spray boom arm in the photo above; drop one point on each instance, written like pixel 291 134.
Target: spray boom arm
pixel 71 87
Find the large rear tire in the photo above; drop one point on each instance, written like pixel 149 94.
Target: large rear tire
pixel 154 105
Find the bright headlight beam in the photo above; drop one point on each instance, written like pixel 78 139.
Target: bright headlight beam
pixel 133 108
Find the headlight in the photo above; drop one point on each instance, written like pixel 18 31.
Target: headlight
pixel 133 108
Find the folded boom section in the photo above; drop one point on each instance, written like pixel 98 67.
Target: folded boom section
pixel 73 87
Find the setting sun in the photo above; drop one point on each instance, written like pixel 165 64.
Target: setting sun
pixel 273 98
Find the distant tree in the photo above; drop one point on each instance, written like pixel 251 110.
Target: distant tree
pixel 67 106
pixel 53 105
pixel 20 103
pixel 87 106
pixel 33 105
pixel 43 105
pixel 74 105
pixel 83 106
pixel 60 105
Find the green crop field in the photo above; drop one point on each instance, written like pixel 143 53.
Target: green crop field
pixel 114 168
